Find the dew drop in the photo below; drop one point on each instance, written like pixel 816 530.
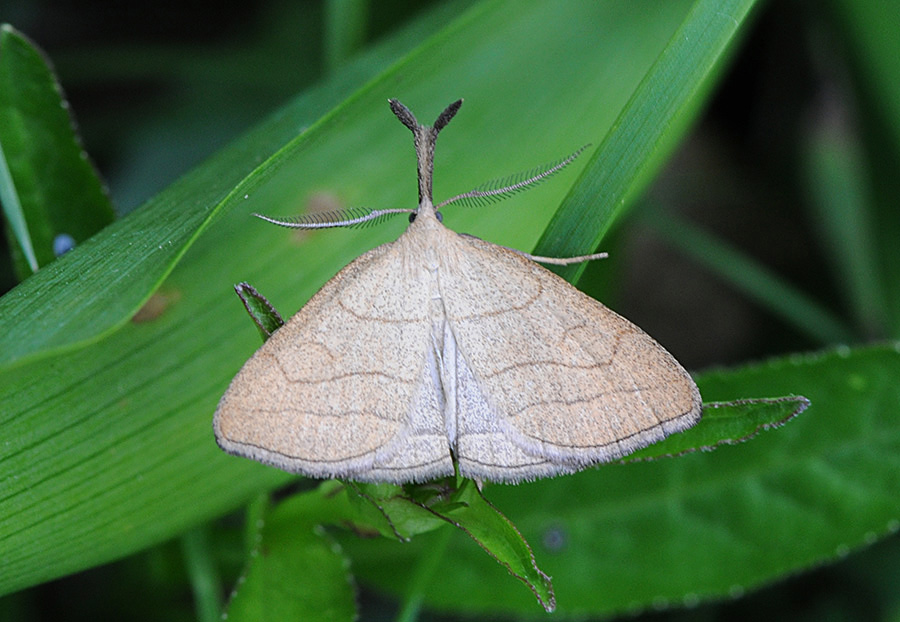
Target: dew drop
pixel 62 244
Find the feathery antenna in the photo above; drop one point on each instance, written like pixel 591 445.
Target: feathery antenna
pixel 425 137
pixel 350 217
pixel 506 186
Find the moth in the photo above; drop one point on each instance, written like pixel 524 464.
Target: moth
pixel 441 352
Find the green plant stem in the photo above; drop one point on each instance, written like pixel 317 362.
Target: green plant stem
pixel 9 199
pixel 205 582
pixel 746 274
pixel 425 570
pixel 836 173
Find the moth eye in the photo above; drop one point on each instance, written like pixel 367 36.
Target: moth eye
pixel 440 216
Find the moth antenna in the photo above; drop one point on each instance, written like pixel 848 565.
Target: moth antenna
pixel 403 113
pixel 445 116
pixel 507 186
pixel 351 217
pixel 424 137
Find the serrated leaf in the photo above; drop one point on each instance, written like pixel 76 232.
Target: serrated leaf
pixel 403 512
pixel 627 537
pixel 392 510
pixel 484 523
pixel 260 310
pixel 49 190
pixel 726 423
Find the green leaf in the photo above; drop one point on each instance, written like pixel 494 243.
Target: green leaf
pixel 668 99
pixel 260 310
pixel 94 290
pixel 106 423
pixel 482 522
pixel 296 570
pixel 726 423
pixel 48 187
pixel 756 281
pixel 345 29
pixel 841 198
pixel 864 76
pixel 143 425
pixel 402 512
pixel 416 509
pixel 289 545
pixel 203 573
pixel 392 510
pixel 708 525
pixel 877 53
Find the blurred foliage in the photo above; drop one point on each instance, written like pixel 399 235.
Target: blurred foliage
pixel 789 175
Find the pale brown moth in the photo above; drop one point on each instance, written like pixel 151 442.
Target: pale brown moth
pixel 441 351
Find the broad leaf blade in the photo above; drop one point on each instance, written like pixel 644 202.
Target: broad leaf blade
pixel 94 290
